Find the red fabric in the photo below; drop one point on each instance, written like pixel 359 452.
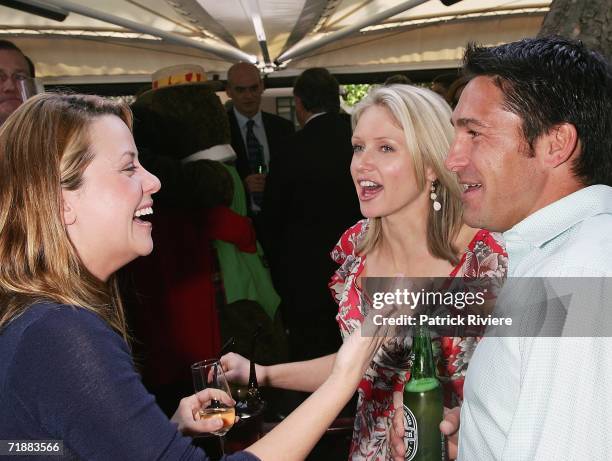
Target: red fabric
pixel 176 317
pixel 224 224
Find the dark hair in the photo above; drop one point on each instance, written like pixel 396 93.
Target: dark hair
pixel 318 90
pixel 552 80
pixel 454 90
pixel 30 66
pixel 6 45
pixel 446 79
pixel 398 79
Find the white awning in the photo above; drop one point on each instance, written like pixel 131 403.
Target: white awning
pixel 86 50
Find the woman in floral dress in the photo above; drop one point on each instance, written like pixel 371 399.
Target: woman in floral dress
pixel 413 229
pixel 375 406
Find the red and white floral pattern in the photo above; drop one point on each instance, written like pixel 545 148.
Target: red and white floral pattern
pixel 484 257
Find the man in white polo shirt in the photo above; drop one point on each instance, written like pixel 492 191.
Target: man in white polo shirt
pixel 533 150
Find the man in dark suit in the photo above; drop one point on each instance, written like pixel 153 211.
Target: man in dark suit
pixel 310 201
pixel 257 136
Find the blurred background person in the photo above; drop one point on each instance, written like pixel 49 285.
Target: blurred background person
pixel 15 67
pixel 310 200
pixel 256 136
pixel 398 79
pixel 441 83
pixel 454 91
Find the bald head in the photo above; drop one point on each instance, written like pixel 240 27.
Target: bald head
pixel 241 69
pixel 244 87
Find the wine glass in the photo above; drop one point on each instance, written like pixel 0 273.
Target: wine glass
pixel 208 374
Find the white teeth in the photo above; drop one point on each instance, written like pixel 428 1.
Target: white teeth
pixel 368 184
pixel 143 212
pixel 467 186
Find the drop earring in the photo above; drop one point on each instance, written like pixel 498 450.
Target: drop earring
pixel 437 206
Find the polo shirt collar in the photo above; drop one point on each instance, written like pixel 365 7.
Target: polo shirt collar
pixel 551 221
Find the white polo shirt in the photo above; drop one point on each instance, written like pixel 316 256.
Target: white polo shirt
pixel 547 398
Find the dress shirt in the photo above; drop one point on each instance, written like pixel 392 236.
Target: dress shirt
pixel 546 398
pixel 258 130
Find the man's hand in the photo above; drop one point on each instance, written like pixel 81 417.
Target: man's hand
pixel 450 428
pixel 396 437
pixel 255 182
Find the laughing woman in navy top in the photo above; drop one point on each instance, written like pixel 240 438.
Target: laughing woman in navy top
pixel 73 206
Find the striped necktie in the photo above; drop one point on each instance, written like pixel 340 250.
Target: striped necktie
pixel 257 163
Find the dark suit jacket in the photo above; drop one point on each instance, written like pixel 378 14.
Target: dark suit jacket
pixel 310 200
pixel 277 130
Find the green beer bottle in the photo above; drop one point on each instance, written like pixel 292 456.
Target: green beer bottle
pixel 423 404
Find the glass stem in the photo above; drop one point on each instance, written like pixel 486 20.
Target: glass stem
pixel 222 445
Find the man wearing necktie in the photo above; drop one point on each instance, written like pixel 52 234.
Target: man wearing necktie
pixel 257 137
pixel 257 163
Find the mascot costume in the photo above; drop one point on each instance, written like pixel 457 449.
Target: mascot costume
pixel 205 281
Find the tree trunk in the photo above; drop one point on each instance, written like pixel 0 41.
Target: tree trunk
pixel 586 20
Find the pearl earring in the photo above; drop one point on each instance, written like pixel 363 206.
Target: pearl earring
pixel 437 206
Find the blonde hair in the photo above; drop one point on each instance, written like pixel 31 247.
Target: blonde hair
pixel 45 148
pixel 425 119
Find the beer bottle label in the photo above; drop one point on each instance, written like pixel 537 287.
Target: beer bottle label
pixel 411 439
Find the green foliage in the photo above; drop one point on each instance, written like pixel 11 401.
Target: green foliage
pixel 355 92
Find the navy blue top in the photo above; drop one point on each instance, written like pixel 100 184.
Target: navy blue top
pixel 66 375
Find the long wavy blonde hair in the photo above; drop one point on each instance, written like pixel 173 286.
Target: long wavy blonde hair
pixel 425 119
pixel 45 148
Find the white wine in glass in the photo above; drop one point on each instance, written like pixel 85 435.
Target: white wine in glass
pixel 228 415
pixel 208 374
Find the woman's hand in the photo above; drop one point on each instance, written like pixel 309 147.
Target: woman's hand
pixel 187 415
pixel 354 357
pixel 359 348
pixel 298 433
pixel 236 368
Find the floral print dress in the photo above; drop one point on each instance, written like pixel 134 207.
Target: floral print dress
pixel 484 257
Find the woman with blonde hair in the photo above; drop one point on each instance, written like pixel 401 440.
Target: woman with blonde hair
pixel 413 228
pixel 73 205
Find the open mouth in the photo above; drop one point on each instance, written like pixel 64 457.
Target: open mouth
pixel 142 215
pixel 470 187
pixel 368 189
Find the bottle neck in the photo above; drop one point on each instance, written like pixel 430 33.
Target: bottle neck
pixel 423 367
